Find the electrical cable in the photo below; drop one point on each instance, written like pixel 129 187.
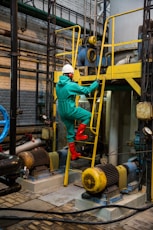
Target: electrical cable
pixel 136 210
pixel 80 211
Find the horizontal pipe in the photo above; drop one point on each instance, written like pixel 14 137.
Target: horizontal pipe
pixel 36 13
pixel 27 146
pixel 22 37
pixel 7 33
pixel 24 69
pixel 40 14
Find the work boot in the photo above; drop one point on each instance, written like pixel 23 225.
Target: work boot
pixel 79 135
pixel 74 154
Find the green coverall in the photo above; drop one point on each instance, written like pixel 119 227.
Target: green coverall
pixel 66 90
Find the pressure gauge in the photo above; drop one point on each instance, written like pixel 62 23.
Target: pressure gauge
pixel 147 131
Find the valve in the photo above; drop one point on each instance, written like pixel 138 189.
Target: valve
pixel 5 123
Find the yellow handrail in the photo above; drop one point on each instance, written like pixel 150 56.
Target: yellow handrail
pixel 74 42
pixel 112 45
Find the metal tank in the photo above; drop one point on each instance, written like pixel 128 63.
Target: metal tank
pixel 126 29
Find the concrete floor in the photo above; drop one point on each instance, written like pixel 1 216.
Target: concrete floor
pixel 60 199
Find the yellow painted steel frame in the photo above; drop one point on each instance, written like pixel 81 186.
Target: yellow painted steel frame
pixel 130 72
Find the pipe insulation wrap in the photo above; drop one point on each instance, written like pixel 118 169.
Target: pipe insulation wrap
pixel 27 146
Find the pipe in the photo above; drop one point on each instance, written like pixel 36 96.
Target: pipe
pixel 113 135
pixel 48 86
pixel 36 13
pixel 14 54
pixel 95 19
pixel 123 61
pixel 40 14
pixel 23 37
pixel 27 146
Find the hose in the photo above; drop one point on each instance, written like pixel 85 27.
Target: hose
pixel 136 210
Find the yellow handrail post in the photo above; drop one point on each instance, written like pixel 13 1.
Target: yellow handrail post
pixel 66 175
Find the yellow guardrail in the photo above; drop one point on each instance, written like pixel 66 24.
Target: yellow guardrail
pixel 112 45
pixel 76 33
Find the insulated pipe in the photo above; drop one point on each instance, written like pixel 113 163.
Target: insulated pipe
pixel 27 146
pixel 123 61
pixel 114 121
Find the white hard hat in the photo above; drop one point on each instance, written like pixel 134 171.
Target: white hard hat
pixel 67 69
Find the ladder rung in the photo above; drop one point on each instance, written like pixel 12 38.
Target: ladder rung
pixel 75 170
pixel 88 127
pixel 87 158
pixel 86 142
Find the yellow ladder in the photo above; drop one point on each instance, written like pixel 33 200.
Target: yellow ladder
pixel 94 127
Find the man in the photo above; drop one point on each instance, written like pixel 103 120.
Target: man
pixel 66 91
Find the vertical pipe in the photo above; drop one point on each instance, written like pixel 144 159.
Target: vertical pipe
pixel 95 19
pixel 37 89
pixel 113 138
pixel 85 9
pixel 48 60
pixel 13 99
pixel 152 172
pixel 104 12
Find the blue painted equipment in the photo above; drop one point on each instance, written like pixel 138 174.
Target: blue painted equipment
pixel 5 122
pixel 87 56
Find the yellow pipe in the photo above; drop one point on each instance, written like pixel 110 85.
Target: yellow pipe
pixel 113 40
pixel 66 175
